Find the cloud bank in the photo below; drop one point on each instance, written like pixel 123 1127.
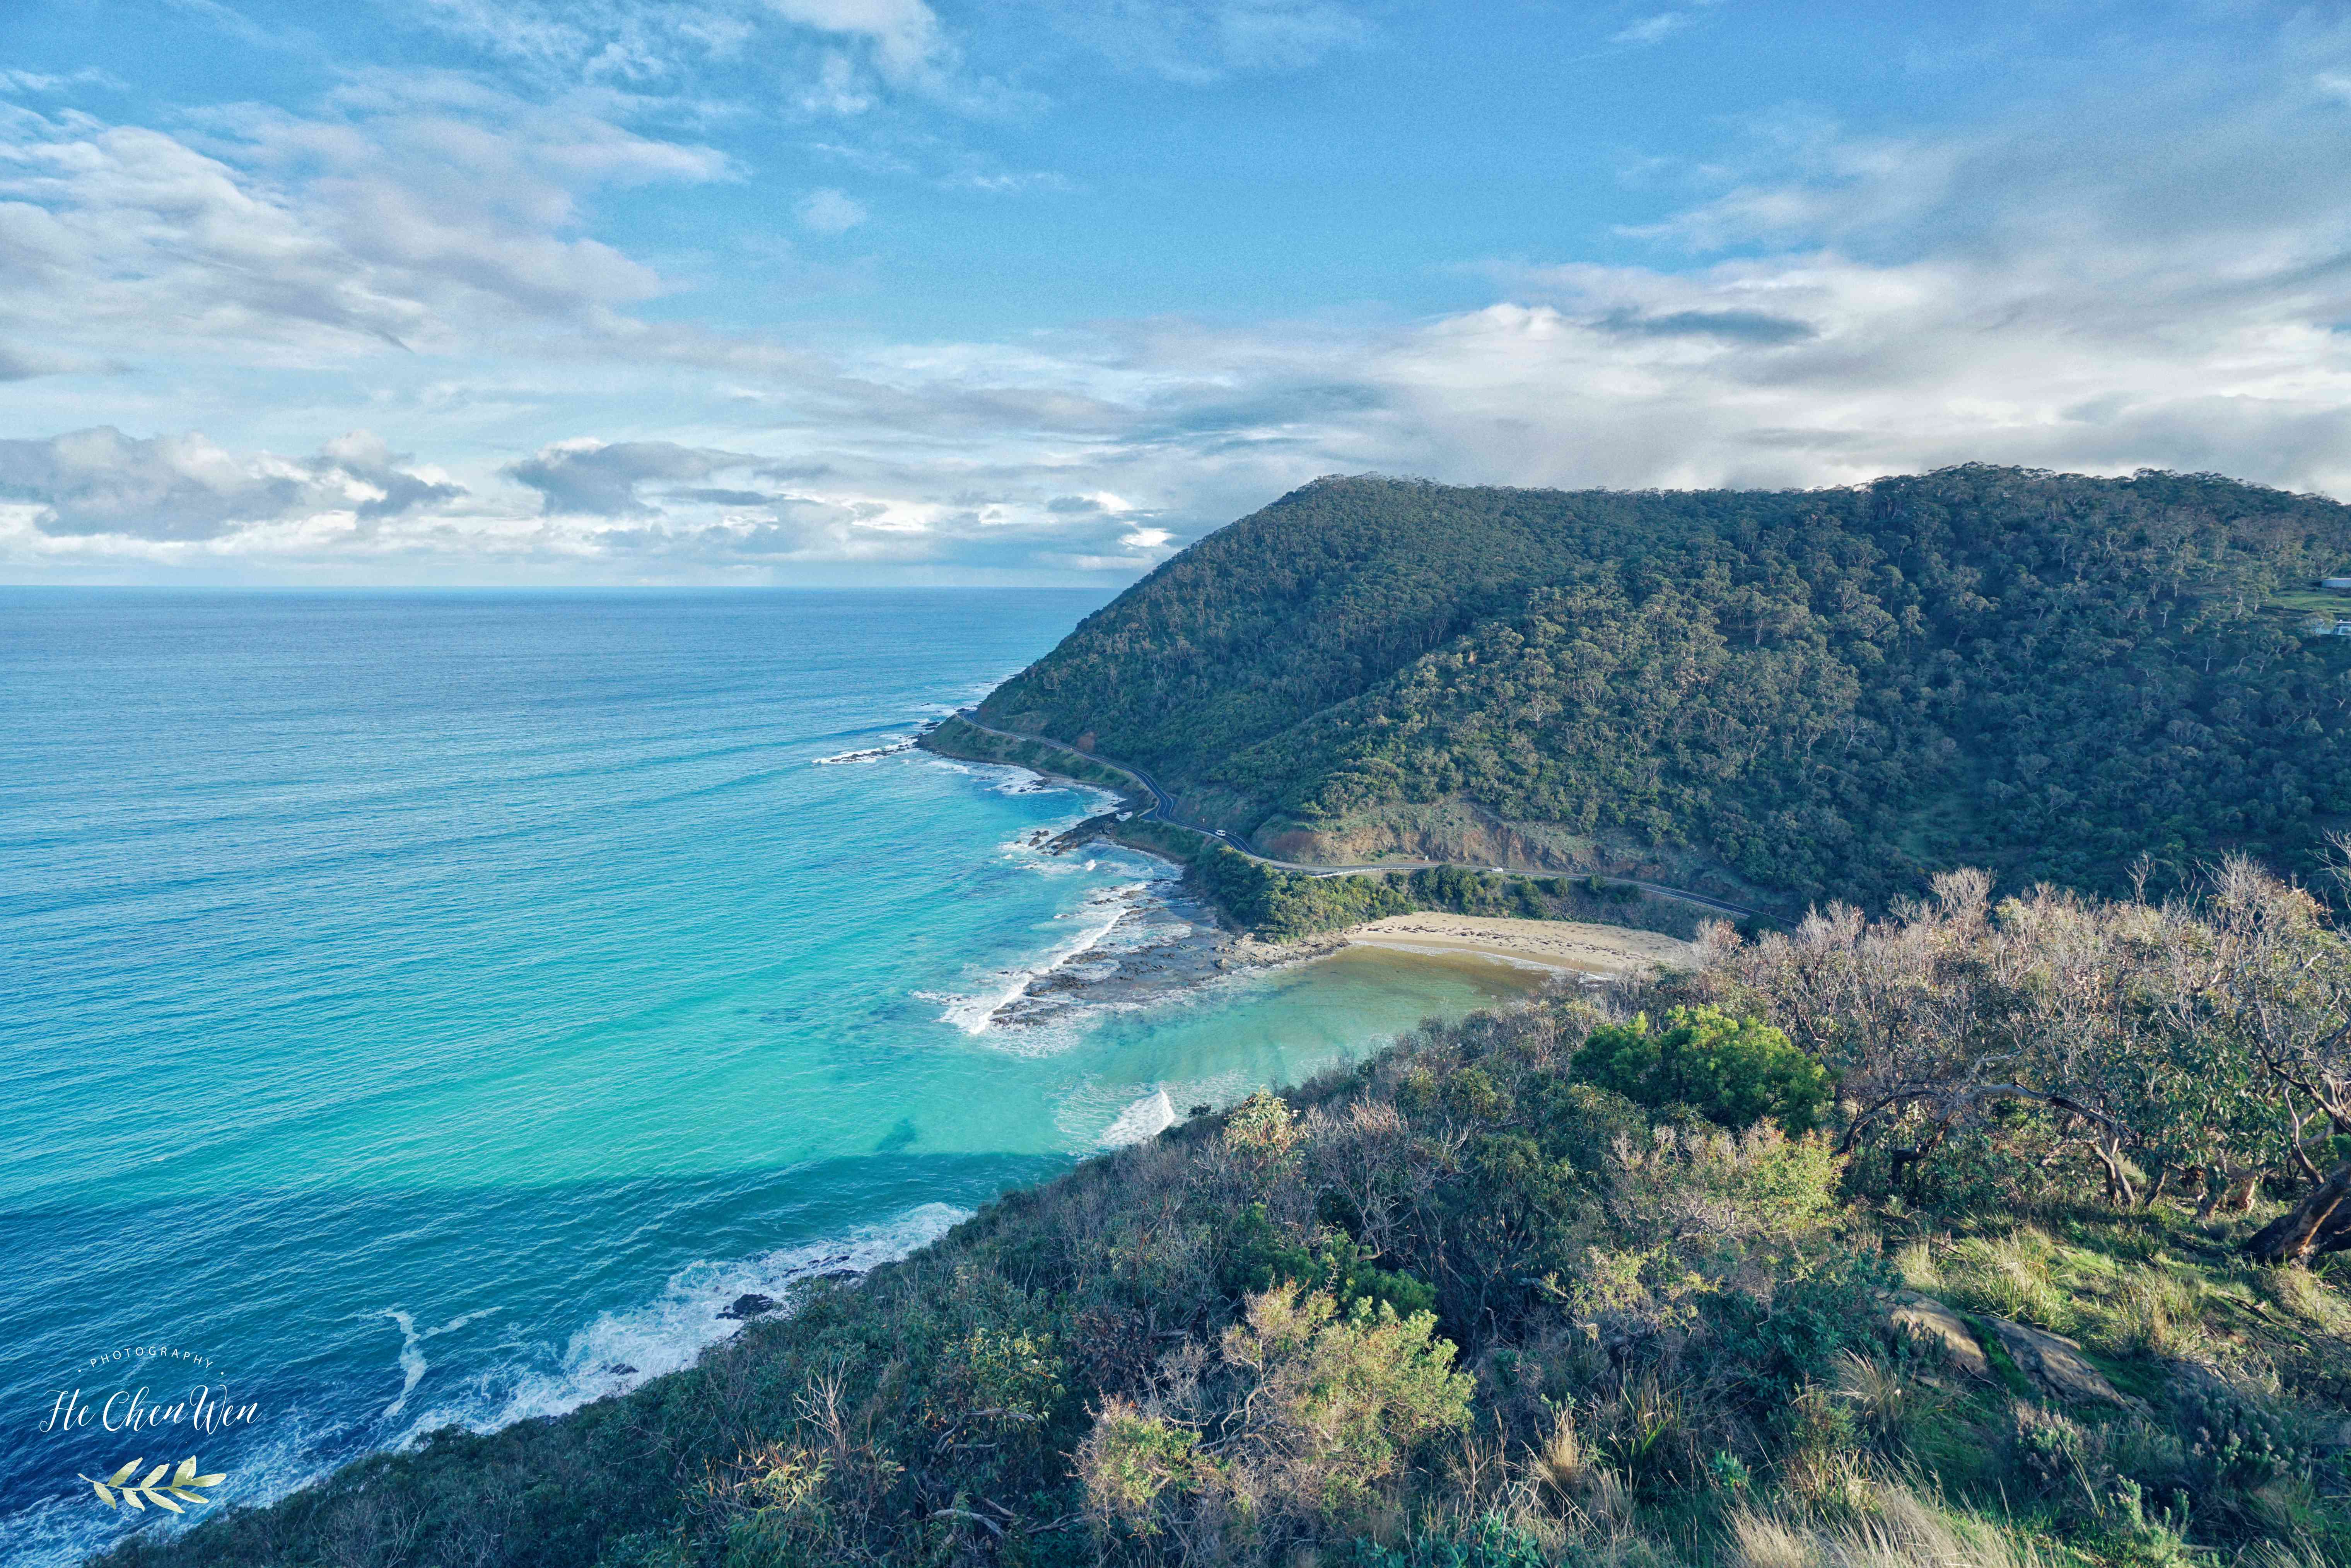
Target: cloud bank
pixel 2146 278
pixel 180 488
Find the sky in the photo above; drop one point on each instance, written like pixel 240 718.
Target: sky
pixel 890 292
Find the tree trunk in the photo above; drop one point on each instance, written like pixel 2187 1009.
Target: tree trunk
pixel 2301 1159
pixel 2207 1189
pixel 2321 1222
pixel 2119 1183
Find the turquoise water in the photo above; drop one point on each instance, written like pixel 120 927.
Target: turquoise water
pixel 419 1008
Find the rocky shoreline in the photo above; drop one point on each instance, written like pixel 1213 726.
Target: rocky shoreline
pixel 1171 938
pixel 1167 940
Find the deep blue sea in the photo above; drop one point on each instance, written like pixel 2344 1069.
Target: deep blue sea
pixel 419 1008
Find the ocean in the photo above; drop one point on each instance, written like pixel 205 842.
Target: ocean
pixel 427 1008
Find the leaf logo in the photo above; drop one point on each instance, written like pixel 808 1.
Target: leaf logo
pixel 184 1484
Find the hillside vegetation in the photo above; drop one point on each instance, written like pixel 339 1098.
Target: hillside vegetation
pixel 1813 693
pixel 1978 1236
pixel 1280 904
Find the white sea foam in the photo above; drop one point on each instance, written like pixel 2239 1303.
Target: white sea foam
pixel 412 1364
pixel 1007 778
pixel 1097 918
pixel 620 1350
pixel 868 755
pixel 1110 922
pixel 1146 1118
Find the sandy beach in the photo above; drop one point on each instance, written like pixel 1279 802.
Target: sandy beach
pixel 1553 944
pixel 1169 937
pixel 1166 941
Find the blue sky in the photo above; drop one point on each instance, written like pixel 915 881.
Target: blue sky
pixel 840 291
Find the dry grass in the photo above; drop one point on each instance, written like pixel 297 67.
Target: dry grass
pixel 1900 1530
pixel 1916 1263
pixel 1570 1479
pixel 2152 1311
pixel 2008 1277
pixel 1561 1461
pixel 1881 1399
pixel 1770 1541
pixel 2287 1554
pixel 2303 1294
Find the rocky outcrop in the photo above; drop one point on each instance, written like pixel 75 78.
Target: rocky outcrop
pixel 1925 1318
pixel 2056 1363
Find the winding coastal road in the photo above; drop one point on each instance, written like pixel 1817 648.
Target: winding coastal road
pixel 1163 808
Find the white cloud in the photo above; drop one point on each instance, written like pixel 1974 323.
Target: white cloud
pixel 907 44
pixel 595 478
pixel 615 40
pixel 826 211
pixel 1652 29
pixel 41 82
pixel 840 89
pixel 180 487
pixel 2139 283
pixel 416 211
pixel 1201 44
pixel 1658 26
pixel 21 364
pixel 864 51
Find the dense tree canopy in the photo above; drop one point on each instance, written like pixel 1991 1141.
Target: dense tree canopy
pixel 1837 691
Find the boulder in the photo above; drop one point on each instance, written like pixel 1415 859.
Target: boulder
pixel 1924 1317
pixel 2055 1363
pixel 750 1305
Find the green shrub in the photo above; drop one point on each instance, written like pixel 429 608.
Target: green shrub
pixel 1135 1466
pixel 649 1549
pixel 1732 1071
pixel 1580 1122
pixel 2234 1441
pixel 1217 1347
pixel 1262 1255
pixel 1335 1402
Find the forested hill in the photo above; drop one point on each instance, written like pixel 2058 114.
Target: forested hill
pixel 1822 691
